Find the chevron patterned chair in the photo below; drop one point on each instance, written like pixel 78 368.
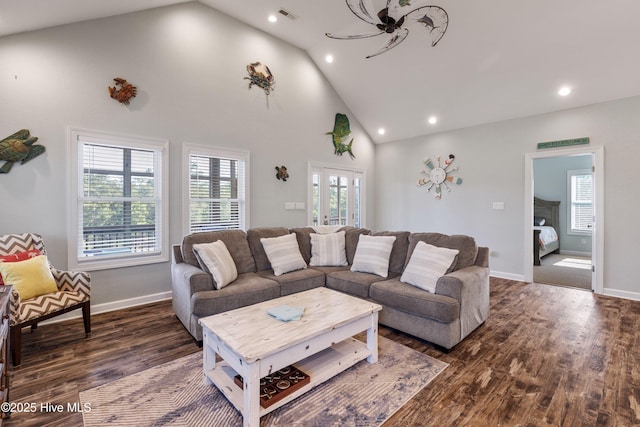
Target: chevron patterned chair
pixel 73 293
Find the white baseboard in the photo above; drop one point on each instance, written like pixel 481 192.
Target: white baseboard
pixel 509 276
pixel 112 306
pixel 622 294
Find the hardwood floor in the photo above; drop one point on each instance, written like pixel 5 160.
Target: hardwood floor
pixel 546 356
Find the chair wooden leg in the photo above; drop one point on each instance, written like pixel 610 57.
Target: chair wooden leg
pixel 16 344
pixel 86 316
pixel 34 327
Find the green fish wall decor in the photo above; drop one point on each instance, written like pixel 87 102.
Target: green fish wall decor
pixel 340 133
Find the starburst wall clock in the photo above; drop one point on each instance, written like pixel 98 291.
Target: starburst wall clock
pixel 439 176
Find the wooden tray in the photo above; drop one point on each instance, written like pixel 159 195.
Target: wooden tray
pixel 278 385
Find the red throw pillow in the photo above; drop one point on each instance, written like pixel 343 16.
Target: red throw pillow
pixel 20 256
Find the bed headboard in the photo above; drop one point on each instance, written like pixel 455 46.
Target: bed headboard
pixel 550 210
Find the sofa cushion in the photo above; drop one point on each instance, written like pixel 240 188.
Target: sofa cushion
pixel 304 241
pixel 410 299
pixel 465 244
pixel 247 289
pixel 215 259
pixel 259 255
pixel 296 281
pixel 328 249
pixel 372 255
pixel 235 241
pixel 399 251
pixel 331 269
pixel 283 253
pixel 352 282
pixel 351 237
pixel 427 264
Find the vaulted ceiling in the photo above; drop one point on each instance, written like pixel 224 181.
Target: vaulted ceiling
pixel 498 60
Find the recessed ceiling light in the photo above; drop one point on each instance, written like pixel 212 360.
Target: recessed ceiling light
pixel 433 120
pixel 381 131
pixel 273 18
pixel 329 58
pixel 564 91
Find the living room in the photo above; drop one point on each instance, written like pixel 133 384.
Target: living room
pixel 189 61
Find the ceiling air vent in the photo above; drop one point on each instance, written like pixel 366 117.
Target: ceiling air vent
pixel 288 14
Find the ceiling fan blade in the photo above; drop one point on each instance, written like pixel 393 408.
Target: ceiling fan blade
pixel 362 9
pixel 434 19
pixel 395 40
pixel 355 36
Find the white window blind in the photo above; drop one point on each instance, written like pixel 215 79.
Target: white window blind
pixel 119 209
pixel 217 193
pixel 581 189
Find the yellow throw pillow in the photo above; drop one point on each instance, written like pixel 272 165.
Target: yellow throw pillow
pixel 31 278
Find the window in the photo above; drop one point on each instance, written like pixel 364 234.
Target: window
pixel 337 196
pixel 118 201
pixel 580 184
pixel 216 190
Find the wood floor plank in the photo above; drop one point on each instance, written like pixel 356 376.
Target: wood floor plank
pixel 547 356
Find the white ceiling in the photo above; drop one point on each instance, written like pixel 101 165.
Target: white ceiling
pixel 498 59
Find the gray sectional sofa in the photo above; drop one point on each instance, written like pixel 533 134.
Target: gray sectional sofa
pixel 459 304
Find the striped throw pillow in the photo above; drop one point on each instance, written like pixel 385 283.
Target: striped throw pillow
pixel 328 249
pixel 215 259
pixel 427 264
pixel 283 253
pixel 372 254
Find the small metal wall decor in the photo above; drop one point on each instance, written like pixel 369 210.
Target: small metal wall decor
pixel 260 75
pixel 19 147
pixel 391 19
pixel 123 91
pixel 281 173
pixel 341 131
pixel 439 176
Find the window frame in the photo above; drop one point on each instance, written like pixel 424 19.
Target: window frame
pixel 570 216
pixel 190 149
pixel 77 137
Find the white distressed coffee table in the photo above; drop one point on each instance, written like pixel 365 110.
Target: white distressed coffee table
pixel 254 344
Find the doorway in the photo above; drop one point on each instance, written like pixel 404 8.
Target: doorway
pixel 580 258
pixel 336 196
pixel 563 215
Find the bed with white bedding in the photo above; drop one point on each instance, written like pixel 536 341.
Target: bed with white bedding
pixel 545 235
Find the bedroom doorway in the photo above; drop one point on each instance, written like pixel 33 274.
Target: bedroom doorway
pixel 569 181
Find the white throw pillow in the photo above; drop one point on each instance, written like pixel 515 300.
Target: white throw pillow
pixel 372 254
pixel 427 264
pixel 328 249
pixel 215 259
pixel 283 253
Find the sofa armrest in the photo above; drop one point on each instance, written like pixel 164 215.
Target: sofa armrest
pixel 176 253
pixel 482 258
pixel 470 286
pixel 186 277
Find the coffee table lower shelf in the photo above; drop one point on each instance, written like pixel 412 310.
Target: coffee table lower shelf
pixel 320 367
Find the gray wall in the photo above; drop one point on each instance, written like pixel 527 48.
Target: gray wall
pixel 491 161
pixel 189 63
pixel 550 183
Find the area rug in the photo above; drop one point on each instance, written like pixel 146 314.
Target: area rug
pixel 175 394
